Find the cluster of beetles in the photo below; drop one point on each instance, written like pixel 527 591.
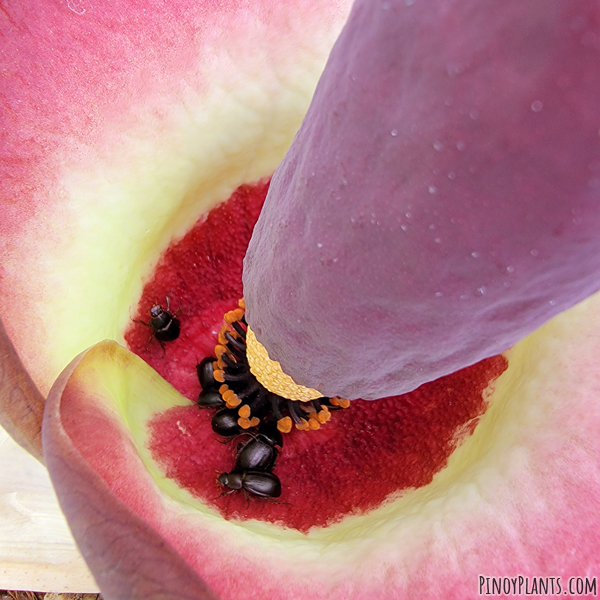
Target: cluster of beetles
pixel 256 458
pixel 242 404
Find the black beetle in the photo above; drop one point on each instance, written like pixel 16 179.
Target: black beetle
pixel 204 370
pixel 225 422
pixel 164 325
pixel 211 399
pixel 256 455
pixel 264 485
pixel 269 432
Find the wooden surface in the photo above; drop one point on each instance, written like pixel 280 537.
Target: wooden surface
pixel 37 551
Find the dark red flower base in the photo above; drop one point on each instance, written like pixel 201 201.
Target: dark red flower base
pixel 361 457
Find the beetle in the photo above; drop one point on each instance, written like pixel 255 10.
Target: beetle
pixel 225 422
pixel 164 325
pixel 256 455
pixel 257 483
pixel 269 432
pixel 211 399
pixel 205 370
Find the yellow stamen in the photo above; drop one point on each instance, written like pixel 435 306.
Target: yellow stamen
pixel 285 425
pixel 219 376
pixel 226 329
pixel 233 315
pixel 323 416
pixel 341 402
pixel 303 425
pixel 270 374
pixel 244 411
pixel 231 399
pixel 220 350
pixel 244 423
pixel 313 424
pixel 242 303
pixel 247 423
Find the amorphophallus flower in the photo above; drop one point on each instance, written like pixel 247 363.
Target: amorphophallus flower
pixel 128 127
pixel 451 234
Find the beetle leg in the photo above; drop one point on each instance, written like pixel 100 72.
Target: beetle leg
pixel 148 342
pixel 225 494
pixel 168 299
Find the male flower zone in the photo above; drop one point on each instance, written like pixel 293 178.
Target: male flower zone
pixel 139 139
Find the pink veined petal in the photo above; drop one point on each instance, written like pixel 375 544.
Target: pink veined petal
pixel 520 497
pixel 124 122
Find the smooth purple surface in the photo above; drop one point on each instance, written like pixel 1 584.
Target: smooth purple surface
pixel 442 198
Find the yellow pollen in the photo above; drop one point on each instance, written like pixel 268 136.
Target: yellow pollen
pixel 231 399
pixel 247 423
pixel 303 425
pixel 244 411
pixel 233 315
pixel 285 425
pixel 270 374
pixel 242 303
pixel 219 376
pixel 341 402
pixel 323 416
pixel 226 329
pixel 244 423
pixel 313 424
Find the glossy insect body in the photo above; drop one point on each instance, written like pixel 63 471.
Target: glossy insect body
pixel 270 434
pixel 205 370
pixel 264 485
pixel 256 455
pixel 164 325
pixel 225 422
pixel 211 399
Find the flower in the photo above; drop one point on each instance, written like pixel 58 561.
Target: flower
pixel 139 111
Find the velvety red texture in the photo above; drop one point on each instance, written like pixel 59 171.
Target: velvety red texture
pixel 366 454
pixel 202 275
pixel 362 456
